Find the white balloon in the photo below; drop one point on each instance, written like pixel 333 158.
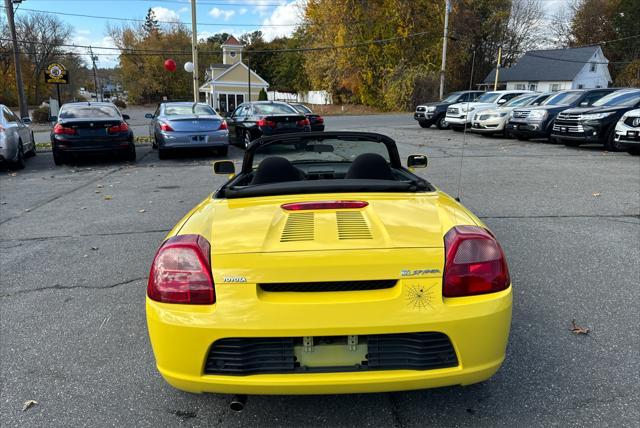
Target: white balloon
pixel 188 67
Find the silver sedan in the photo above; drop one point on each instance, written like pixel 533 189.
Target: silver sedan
pixel 16 139
pixel 182 125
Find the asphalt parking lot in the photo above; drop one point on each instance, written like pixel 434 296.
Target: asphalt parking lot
pixel 76 243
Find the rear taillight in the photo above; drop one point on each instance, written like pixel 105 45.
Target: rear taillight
pixel 324 205
pixel 181 272
pixel 165 127
pixel 474 263
pixel 319 119
pixel 262 123
pixel 223 125
pixel 116 129
pixel 303 122
pixel 58 129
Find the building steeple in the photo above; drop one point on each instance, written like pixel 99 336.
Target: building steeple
pixel 232 51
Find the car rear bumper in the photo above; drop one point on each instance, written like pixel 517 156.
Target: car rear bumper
pixel 193 139
pixel 317 128
pixel 182 335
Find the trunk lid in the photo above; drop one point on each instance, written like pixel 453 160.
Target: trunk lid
pixel 260 225
pixel 194 123
pixel 91 128
pixel 285 121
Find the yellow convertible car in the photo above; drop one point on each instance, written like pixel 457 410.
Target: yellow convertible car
pixel 324 266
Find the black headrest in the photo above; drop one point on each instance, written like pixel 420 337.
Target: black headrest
pixel 275 169
pixel 370 166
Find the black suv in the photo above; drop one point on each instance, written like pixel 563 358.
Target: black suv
pixel 536 122
pixel 435 112
pixel 597 123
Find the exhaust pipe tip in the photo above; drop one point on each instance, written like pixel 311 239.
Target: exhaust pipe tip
pixel 237 403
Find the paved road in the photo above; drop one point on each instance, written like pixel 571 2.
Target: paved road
pixel 75 251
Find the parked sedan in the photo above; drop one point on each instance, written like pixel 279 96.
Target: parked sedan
pixel 90 127
pixel 596 124
pixel 262 118
pixel 16 139
pixel 493 121
pixel 187 125
pixel 315 120
pixel 628 132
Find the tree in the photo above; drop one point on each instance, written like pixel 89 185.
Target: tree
pixel 150 26
pixel 262 95
pixel 524 30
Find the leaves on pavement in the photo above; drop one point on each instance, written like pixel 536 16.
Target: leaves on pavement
pixel 576 329
pixel 28 404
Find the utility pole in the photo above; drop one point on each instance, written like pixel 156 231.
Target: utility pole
pixel 445 38
pixel 249 77
pixel 24 109
pixel 95 76
pixel 194 52
pixel 495 83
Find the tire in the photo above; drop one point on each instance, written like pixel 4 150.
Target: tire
pixel 58 158
pixel 634 151
pixel 163 153
pixel 246 139
pixel 131 154
pixel 19 162
pixel 31 153
pixel 571 143
pixel 223 151
pixel 611 144
pixel 441 122
pixel 424 124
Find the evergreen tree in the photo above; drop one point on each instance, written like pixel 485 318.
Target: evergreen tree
pixel 262 95
pixel 150 25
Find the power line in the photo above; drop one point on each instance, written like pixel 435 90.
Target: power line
pixel 207 3
pixel 113 18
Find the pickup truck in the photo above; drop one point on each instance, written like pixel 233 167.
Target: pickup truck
pixel 434 113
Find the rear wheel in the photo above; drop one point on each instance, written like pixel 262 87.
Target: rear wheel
pixel 18 163
pixel 58 158
pixel 441 122
pixel 424 124
pixel 131 154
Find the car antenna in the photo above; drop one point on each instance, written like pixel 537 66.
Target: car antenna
pixel 464 133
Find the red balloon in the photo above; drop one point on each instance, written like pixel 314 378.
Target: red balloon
pixel 170 65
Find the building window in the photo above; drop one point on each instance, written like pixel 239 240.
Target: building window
pixel 232 54
pixel 521 86
pixel 555 87
pixel 228 102
pixel 581 86
pixel 592 67
pixel 533 86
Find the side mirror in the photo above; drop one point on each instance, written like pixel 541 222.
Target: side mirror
pixel 148 116
pixel 417 161
pixel 225 167
pixel 126 117
pixel 584 104
pixel 502 101
pixel 26 120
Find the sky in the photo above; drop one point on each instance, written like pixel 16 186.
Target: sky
pixel 273 17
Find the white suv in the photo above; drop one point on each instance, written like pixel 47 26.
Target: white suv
pixel 628 131
pixel 460 115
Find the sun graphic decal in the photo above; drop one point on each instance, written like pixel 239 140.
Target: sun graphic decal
pixel 420 297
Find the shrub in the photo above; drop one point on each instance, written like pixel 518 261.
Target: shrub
pixel 262 95
pixel 40 115
pixel 120 103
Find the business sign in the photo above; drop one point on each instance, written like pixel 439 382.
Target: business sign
pixel 56 73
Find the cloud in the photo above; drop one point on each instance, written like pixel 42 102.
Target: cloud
pixel 288 13
pixel 164 14
pixel 224 14
pixel 183 10
pixel 242 11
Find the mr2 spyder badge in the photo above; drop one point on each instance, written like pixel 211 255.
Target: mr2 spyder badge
pixel 418 272
pixel 234 279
